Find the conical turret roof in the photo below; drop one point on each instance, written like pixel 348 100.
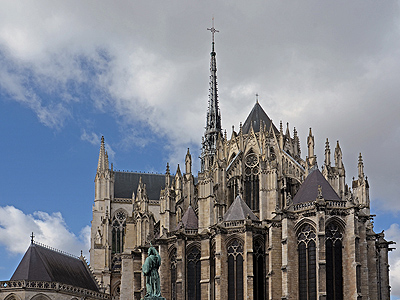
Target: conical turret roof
pixel 254 119
pixel 309 189
pixel 239 211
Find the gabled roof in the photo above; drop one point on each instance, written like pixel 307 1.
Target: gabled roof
pixel 255 117
pixel 189 220
pixel 127 183
pixel 309 189
pixel 42 264
pixel 239 211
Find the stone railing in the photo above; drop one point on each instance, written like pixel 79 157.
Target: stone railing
pixel 336 204
pixel 51 286
pixel 235 223
pixel 191 231
pixel 122 200
pixel 304 206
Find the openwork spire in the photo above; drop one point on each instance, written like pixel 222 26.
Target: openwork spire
pixel 213 125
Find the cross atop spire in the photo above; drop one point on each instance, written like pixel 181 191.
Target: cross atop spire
pixel 32 236
pixel 213 31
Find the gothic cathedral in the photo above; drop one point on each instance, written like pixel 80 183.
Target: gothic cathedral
pixel 257 222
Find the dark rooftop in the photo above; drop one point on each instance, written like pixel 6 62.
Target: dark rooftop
pixel 127 182
pixel 309 189
pixel 189 220
pixel 43 264
pixel 255 117
pixel 239 211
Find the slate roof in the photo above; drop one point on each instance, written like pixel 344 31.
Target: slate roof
pixel 127 182
pixel 254 118
pixel 239 211
pixel 42 264
pixel 309 189
pixel 189 220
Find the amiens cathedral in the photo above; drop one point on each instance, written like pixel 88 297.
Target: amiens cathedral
pixel 258 221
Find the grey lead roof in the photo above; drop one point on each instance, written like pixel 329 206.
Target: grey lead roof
pixel 127 182
pixel 239 211
pixel 189 220
pixel 42 264
pixel 309 189
pixel 254 118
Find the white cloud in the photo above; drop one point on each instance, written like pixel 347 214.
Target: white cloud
pixel 330 66
pixel 49 229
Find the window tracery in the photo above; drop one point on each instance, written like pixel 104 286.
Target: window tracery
pixel 306 247
pixel 193 273
pixel 334 272
pixel 235 270
pixel 258 269
pixel 172 259
pixel 251 180
pixel 118 231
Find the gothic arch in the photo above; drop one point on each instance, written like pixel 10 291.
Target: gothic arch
pixel 300 223
pixel 229 240
pixel 120 210
pixel 40 297
pixel 235 253
pixel 334 260
pixel 172 252
pixel 116 291
pixel 12 296
pixel 193 271
pixel 339 221
pixel 307 261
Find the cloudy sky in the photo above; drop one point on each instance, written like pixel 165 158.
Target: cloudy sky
pixel 137 72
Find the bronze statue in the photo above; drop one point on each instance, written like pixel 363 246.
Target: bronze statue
pixel 150 270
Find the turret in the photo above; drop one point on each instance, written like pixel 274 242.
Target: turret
pixel 188 163
pixel 311 159
pixel 361 186
pixel 327 154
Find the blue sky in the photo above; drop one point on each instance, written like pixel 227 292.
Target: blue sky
pixel 137 73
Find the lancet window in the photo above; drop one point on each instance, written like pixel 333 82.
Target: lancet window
pixel 258 270
pixel 334 271
pixel 251 181
pixel 306 248
pixel 235 270
pixel 173 275
pixel 193 273
pixel 118 231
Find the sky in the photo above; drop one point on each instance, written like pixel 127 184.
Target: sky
pixel 137 73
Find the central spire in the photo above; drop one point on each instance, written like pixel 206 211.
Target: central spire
pixel 213 126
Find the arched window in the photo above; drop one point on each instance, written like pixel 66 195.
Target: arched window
pixel 307 263
pixel 251 182
pixel 116 292
pixel 193 273
pixel 118 231
pixel 258 270
pixel 212 272
pixel 235 270
pixel 334 273
pixel 172 259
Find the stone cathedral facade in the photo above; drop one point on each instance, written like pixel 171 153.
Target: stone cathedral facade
pixel 259 221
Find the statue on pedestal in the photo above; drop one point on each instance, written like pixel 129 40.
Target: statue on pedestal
pixel 150 270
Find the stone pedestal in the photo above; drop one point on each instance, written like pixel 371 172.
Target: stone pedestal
pixel 153 298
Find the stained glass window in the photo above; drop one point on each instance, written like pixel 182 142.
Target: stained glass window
pixel 235 270
pixel 193 274
pixel 334 273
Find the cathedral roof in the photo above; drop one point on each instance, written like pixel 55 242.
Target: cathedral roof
pixel 239 211
pixel 309 189
pixel 255 117
pixel 126 183
pixel 43 264
pixel 189 220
